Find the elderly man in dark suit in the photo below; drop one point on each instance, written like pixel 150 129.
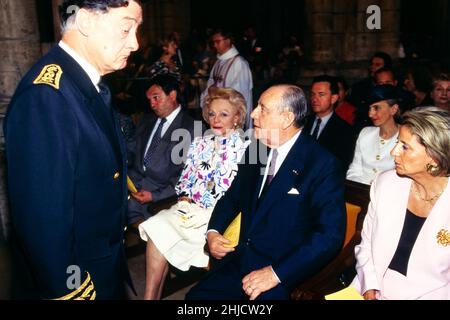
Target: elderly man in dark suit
pixel 324 125
pixel 66 157
pixel 293 215
pixel 158 149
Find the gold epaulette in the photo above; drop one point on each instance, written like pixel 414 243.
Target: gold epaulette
pixel 85 292
pixel 50 75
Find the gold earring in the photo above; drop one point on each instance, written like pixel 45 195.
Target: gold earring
pixel 432 169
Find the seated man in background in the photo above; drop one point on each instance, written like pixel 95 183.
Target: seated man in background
pixel 360 91
pixel 151 164
pixel 177 235
pixel 324 125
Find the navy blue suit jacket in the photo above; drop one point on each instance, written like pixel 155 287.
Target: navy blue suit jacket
pixel 297 234
pixel 67 180
pixel 337 137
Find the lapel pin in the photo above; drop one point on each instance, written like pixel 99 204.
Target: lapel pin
pixel 296 172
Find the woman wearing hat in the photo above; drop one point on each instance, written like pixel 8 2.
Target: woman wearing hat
pixel 372 152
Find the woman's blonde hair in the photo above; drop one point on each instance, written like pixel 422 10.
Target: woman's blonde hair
pixel 236 99
pixel 432 127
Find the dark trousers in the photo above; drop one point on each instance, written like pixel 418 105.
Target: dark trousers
pixel 225 283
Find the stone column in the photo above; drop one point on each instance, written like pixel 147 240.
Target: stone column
pixel 19 49
pixel 320 23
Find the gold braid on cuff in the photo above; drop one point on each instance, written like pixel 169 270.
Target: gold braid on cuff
pixel 85 292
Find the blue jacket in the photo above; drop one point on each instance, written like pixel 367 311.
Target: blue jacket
pixel 298 225
pixel 67 180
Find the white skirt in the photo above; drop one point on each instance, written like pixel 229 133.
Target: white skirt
pixel 182 247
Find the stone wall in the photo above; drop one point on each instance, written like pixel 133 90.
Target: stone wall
pixel 339 41
pixel 19 49
pixel 162 17
pixel 19 44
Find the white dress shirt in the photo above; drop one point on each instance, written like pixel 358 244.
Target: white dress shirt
pixel 283 151
pixel 86 66
pixel 169 119
pixel 322 124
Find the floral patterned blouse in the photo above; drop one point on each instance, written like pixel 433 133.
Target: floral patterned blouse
pixel 210 168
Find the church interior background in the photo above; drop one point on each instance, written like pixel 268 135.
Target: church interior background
pixel 333 34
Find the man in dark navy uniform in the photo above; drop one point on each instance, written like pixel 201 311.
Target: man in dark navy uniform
pixel 66 157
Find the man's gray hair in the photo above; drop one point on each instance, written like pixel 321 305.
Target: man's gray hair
pixel 68 10
pixel 294 100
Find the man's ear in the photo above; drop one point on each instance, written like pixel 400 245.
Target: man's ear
pixel 84 22
pixel 334 98
pixel 288 119
pixel 173 95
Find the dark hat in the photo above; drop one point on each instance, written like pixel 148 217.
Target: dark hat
pixel 382 93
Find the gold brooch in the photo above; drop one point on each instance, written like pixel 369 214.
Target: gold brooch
pixel 50 75
pixel 443 238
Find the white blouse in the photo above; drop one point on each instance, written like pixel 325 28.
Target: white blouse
pixel 372 156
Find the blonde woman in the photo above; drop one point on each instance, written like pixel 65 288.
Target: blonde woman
pixel 405 247
pixel 177 235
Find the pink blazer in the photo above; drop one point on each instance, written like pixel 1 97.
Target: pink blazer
pixel 428 275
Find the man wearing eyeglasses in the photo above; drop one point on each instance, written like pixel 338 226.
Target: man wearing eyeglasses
pixel 230 71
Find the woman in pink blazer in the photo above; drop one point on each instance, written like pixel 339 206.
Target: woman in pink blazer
pixel 405 247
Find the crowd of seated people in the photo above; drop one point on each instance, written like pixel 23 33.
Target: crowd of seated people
pixel 361 126
pixel 177 235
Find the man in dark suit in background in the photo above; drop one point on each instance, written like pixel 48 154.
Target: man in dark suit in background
pixel 293 214
pixel 157 151
pixel 324 125
pixel 66 157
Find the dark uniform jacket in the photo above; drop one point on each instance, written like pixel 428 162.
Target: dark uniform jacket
pixel 67 181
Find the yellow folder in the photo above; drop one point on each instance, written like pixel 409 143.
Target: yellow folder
pixel 348 293
pixel 131 185
pixel 233 231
